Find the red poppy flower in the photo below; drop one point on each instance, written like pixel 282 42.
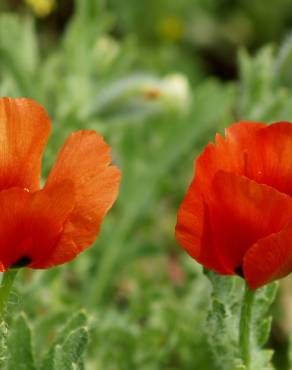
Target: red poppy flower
pixel 237 214
pixel 41 228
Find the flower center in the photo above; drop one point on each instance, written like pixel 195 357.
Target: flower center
pixel 22 262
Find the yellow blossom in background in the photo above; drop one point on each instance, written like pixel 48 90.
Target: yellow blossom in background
pixel 41 8
pixel 171 28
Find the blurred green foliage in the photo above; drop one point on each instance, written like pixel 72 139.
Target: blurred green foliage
pixel 137 72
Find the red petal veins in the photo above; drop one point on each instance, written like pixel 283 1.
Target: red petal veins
pixel 24 130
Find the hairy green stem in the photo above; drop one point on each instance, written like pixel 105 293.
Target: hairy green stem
pixel 5 288
pixel 245 326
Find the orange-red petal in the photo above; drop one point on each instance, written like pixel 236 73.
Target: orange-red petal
pixel 85 160
pixel 269 259
pixel 24 130
pixel 227 154
pixel 270 160
pixel 31 223
pixel 242 212
pixel 194 233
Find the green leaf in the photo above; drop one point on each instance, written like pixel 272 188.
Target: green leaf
pixel 263 331
pixel 290 352
pixel 77 321
pixel 19 345
pixel 68 354
pixel 261 325
pixel 223 319
pixel 3 343
pixel 265 297
pixel 265 81
pixel 19 54
pixel 257 76
pixel 283 63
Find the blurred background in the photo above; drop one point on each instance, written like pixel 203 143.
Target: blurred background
pixel 157 78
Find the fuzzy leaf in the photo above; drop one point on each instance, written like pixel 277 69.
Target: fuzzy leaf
pixel 67 355
pixel 283 63
pixel 19 345
pixel 3 343
pixel 223 323
pixel 74 323
pixel 223 319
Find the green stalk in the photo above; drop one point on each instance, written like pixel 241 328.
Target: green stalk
pixel 90 9
pixel 5 288
pixel 245 326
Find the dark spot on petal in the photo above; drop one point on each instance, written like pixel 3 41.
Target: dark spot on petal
pixel 22 262
pixel 239 271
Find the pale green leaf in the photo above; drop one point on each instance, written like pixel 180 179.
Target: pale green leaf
pixel 67 355
pixel 20 346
